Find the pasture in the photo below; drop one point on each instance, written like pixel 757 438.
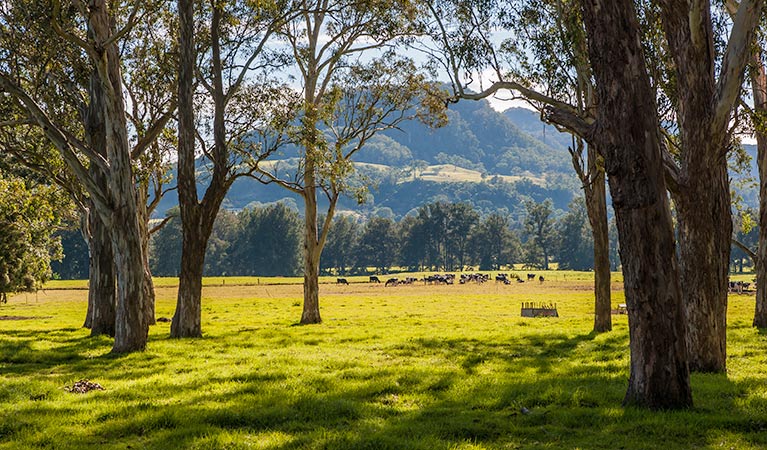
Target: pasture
pixel 406 367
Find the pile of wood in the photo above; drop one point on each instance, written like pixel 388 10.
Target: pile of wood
pixel 83 386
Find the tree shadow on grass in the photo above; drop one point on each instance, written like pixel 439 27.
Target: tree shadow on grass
pixel 532 391
pixel 358 407
pixel 62 351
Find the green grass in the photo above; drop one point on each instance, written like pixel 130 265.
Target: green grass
pixel 411 367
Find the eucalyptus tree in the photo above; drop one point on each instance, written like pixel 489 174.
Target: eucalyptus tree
pixel 226 105
pixel 757 78
pixel 266 242
pixel 706 87
pixel 543 61
pixel 573 240
pixel 626 128
pixel 61 59
pixel 75 97
pixel 353 85
pixel 376 246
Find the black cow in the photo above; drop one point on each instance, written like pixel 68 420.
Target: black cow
pixel 540 278
pixel 530 276
pixel 392 282
pixel 374 279
pixel 342 281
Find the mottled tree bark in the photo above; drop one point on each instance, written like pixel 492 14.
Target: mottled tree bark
pixel 197 217
pixel 759 87
pixel 121 214
pixel 186 320
pixel 101 289
pixel 312 251
pixel 596 208
pixel 143 221
pixel 702 198
pixel 626 131
pixel 100 317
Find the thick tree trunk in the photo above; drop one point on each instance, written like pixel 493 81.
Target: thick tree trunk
pixel 596 207
pixel 705 228
pixel 187 321
pixel 187 318
pixel 121 214
pixel 627 133
pixel 102 301
pixel 759 87
pixel 312 250
pixel 131 328
pixel 149 297
pixel 101 291
pixel 704 108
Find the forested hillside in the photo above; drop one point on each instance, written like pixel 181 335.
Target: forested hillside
pixel 406 168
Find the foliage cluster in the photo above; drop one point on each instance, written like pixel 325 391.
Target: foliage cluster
pixel 28 214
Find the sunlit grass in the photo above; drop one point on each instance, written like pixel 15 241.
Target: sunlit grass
pixel 406 367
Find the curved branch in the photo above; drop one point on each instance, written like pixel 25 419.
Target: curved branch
pixel 751 254
pixel 571 120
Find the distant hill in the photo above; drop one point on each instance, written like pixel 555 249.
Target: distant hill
pixel 530 122
pixel 493 160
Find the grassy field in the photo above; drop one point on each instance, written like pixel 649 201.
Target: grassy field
pixel 410 367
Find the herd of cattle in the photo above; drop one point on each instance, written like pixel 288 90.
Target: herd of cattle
pixel 449 278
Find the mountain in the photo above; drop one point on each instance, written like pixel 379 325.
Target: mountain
pixel 493 160
pixel 530 122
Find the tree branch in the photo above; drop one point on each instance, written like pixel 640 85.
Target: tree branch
pixel 154 131
pixel 59 140
pixel 751 254
pixel 737 54
pixel 570 119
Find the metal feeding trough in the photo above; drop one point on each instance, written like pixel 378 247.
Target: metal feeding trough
pixel 532 309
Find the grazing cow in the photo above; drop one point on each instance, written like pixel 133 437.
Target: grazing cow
pixel 391 282
pixel 540 278
pixel 520 280
pixel 374 279
pixel 342 281
pixel 530 276
pixel 502 278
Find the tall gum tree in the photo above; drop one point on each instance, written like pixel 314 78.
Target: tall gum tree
pixel 353 85
pixel 704 104
pixel 232 94
pixel 95 31
pixel 757 78
pixel 545 63
pixel 627 132
pixel 72 92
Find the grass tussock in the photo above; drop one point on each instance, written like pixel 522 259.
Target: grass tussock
pixel 410 367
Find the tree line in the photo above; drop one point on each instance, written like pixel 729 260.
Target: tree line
pixel 266 240
pixel 98 98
